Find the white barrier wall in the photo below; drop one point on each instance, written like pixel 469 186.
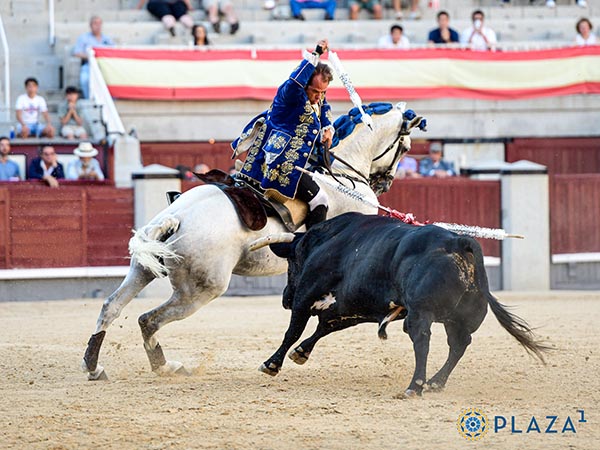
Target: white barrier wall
pixel 525 210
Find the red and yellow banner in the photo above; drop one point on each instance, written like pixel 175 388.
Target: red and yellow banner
pixel 221 74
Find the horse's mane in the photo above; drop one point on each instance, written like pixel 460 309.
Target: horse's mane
pixel 344 125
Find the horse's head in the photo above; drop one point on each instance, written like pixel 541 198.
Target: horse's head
pixel 373 155
pixel 395 143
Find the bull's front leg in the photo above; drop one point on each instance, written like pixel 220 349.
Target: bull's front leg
pixel 419 330
pixel 298 322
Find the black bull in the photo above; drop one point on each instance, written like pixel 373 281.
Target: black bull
pixel 358 268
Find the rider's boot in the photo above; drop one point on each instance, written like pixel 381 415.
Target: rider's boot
pixel 317 215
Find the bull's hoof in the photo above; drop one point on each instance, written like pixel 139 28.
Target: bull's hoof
pixel 433 386
pixel 299 356
pixel 411 393
pixel 172 368
pixel 272 369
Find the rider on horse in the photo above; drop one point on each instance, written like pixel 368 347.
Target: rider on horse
pixel 292 132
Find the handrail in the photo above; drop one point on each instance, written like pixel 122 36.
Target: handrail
pixel 100 94
pixel 6 70
pixel 51 30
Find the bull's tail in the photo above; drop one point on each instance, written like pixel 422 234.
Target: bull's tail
pixel 149 248
pixel 516 326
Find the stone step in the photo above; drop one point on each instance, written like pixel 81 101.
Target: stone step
pixel 272 32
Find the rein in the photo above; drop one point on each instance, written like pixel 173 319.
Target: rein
pixel 364 179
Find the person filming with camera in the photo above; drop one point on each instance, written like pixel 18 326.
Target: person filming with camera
pixel 478 36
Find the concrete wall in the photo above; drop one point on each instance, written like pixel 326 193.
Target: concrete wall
pixel 447 118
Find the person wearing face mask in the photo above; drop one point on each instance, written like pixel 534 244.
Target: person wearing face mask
pixel 292 132
pixel 478 36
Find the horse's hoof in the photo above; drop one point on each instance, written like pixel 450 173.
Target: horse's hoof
pixel 271 370
pixel 171 368
pixel 298 356
pixel 98 375
pixel 182 371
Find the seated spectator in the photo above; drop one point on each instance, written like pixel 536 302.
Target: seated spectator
pixel 414 9
pixel 86 167
pixel 373 6
pixel 584 33
pixel 200 36
pixel 46 167
pixel 297 6
pixel 407 168
pixel 478 36
pixel 69 112
pixel 29 108
pixel 217 8
pixel 93 38
pixel 9 170
pixel 169 12
pixel 443 34
pixel 434 165
pixel 395 39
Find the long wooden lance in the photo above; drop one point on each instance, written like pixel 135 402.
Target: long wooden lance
pixel 339 70
pixel 467 230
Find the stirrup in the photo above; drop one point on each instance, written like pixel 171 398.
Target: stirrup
pixel 172 196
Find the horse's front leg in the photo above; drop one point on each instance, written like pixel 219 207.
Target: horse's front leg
pixel 134 282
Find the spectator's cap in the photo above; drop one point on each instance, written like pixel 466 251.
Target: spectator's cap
pixel 85 149
pixel 435 147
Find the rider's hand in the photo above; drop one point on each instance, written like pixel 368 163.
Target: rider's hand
pixel 327 137
pixel 322 46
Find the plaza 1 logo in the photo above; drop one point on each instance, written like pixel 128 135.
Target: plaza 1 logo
pixel 473 424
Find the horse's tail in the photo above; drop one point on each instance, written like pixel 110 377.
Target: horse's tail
pixel 516 326
pixel 149 248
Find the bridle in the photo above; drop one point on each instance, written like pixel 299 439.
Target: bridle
pixel 384 175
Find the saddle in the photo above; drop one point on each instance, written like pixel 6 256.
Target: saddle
pixel 253 204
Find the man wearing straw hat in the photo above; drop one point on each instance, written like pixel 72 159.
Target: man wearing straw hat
pixel 86 167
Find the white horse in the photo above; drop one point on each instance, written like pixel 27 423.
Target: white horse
pixel 199 241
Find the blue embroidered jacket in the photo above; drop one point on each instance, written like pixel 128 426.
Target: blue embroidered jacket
pixel 285 135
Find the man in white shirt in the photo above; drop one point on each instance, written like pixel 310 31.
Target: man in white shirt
pixel 395 39
pixel 29 108
pixel 478 36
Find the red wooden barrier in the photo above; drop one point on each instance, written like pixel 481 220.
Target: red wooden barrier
pixel 90 225
pixel 72 226
pixel 560 155
pixel 172 154
pixel 574 213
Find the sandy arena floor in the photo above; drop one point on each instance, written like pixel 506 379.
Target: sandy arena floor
pixel 347 396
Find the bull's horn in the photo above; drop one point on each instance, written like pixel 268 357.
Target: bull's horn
pixel 271 239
